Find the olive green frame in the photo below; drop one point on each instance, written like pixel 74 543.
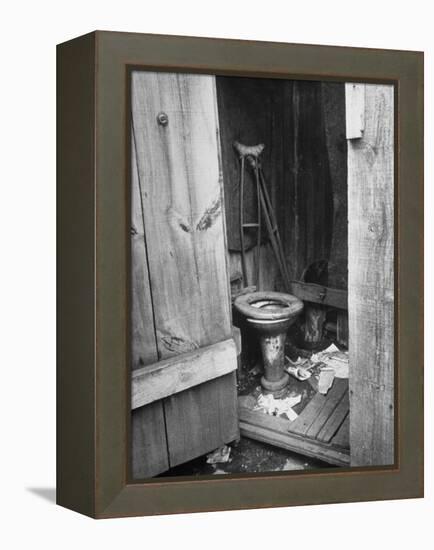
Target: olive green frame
pixel 93 274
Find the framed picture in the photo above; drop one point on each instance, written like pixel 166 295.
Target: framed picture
pixel 240 274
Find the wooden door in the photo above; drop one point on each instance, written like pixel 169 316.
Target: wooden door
pixel 183 354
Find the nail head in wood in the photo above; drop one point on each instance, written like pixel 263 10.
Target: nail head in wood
pixel 162 119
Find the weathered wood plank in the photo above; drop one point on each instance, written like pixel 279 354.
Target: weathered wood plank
pixel 201 419
pixel 301 424
pixel 149 450
pixel 269 272
pixel 320 294
pixel 179 373
pixel 342 436
pixel 182 205
pixel 276 431
pixel 355 110
pixel 371 282
pixel 143 342
pixel 149 455
pixel 335 420
pixel 332 401
pixel 333 104
pixel 309 225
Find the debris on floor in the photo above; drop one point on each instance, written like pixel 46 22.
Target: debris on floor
pixel 321 355
pixel 325 381
pixel 299 369
pixel 248 456
pixel 320 368
pixel 334 359
pixel 339 363
pixel 277 407
pixel 219 456
pixel 293 465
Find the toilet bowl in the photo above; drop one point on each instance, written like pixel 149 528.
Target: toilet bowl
pixel 271 314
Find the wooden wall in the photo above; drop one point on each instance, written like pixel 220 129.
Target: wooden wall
pixel 250 111
pixel 302 125
pixel 371 273
pixel 333 103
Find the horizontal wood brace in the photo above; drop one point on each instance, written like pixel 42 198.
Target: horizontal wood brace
pixel 181 372
pixel 319 294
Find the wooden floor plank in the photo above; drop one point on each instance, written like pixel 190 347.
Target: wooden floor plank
pixel 342 436
pixel 275 431
pixel 335 420
pixel 301 424
pixel 317 405
pixel 321 430
pixel 333 398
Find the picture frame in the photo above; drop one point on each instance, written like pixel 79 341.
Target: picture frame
pixel 93 378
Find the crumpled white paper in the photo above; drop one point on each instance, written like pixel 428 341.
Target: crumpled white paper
pixel 334 359
pixel 219 456
pixel 276 407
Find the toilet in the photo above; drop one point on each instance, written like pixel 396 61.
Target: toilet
pixel 271 314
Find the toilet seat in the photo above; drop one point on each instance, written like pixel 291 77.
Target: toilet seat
pixel 268 305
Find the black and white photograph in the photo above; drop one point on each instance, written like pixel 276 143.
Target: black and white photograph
pixel 214 263
pixel 262 276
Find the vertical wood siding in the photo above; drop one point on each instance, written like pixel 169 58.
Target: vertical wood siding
pixel 303 127
pixel 144 347
pixel 148 434
pixel 181 197
pixel 371 282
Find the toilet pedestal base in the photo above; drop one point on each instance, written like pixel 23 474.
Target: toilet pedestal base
pixel 278 388
pixel 272 337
